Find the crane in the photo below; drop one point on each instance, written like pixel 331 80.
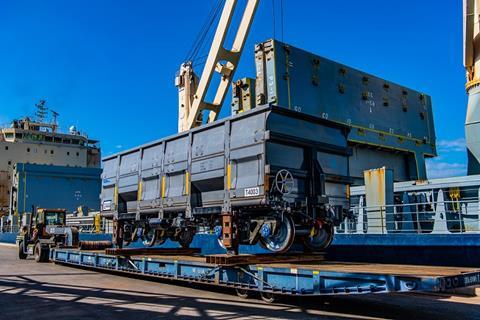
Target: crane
pixel 471 61
pixel 192 91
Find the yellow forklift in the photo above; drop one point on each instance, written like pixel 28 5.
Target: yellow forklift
pixel 45 229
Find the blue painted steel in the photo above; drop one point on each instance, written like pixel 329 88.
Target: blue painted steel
pixel 420 240
pixel 217 231
pixel 56 187
pixel 265 231
pixel 10 237
pixel 302 280
pixel 459 250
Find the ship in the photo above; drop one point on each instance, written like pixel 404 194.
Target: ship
pixel 435 221
pixel 36 140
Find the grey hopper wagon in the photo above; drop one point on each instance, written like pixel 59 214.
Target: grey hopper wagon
pixel 268 175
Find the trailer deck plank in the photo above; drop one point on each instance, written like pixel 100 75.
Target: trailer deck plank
pixel 376 268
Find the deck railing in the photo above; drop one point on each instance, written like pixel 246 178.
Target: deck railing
pixel 460 216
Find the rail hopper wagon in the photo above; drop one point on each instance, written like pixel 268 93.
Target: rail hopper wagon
pixel 268 175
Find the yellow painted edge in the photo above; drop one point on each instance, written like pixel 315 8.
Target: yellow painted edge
pixel 139 193
pixel 472 83
pixel 229 176
pixel 115 195
pixel 163 187
pixel 187 182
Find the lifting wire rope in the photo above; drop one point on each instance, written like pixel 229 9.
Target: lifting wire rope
pixel 274 19
pixel 205 30
pixel 197 53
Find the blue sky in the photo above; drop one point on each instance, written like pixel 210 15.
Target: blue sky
pixel 108 66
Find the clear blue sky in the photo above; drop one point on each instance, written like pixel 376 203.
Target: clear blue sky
pixel 108 66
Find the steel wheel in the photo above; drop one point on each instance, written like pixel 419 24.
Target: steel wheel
pixel 268 297
pixel 161 238
pixel 283 237
pixel 320 238
pixel 186 237
pixel 149 237
pixel 242 293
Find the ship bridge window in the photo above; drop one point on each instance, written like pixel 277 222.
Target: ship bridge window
pixel 68 141
pixel 59 140
pixel 48 139
pixel 19 135
pixel 8 135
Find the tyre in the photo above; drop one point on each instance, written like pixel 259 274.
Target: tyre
pixel 41 253
pixel 21 255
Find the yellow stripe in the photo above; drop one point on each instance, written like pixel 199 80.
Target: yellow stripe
pixel 139 194
pixel 187 182
pixel 163 187
pixel 229 176
pixel 115 195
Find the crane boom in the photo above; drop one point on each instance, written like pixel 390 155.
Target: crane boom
pixel 192 92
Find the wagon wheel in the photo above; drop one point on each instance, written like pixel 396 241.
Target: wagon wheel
pixel 186 237
pixel 283 238
pixel 284 182
pixel 149 236
pixel 268 297
pixel 242 293
pixel 320 237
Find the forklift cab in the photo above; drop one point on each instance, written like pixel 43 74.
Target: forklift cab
pixel 48 219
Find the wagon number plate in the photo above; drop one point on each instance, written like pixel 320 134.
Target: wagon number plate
pixel 252 192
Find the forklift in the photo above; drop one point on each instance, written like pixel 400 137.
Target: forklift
pixel 45 229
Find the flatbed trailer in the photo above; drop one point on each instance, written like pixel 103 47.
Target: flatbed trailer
pixel 305 278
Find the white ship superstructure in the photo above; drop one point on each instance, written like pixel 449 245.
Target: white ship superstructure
pixel 40 142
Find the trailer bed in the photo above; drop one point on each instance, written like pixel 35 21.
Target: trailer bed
pixel 299 278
